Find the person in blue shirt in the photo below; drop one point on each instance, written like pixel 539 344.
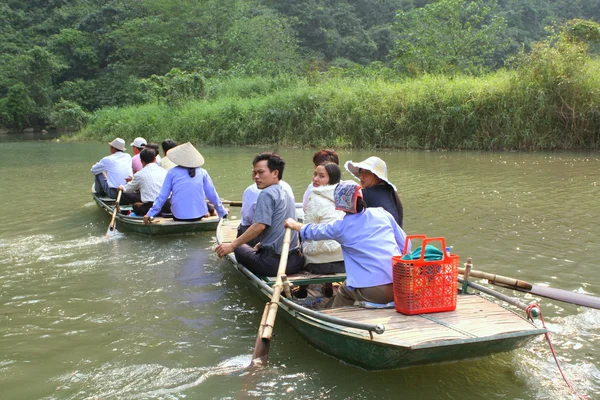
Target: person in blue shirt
pixel 369 238
pixel 188 185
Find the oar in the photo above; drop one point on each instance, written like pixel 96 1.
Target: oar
pixel 265 331
pixel 232 203
pixel 111 226
pixel 538 290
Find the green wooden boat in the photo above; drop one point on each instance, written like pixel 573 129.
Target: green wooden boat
pixel 159 226
pixel 378 339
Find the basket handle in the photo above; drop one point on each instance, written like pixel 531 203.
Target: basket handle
pixel 409 237
pixel 425 241
pixel 435 239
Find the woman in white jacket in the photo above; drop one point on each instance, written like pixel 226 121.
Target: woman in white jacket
pixel 323 256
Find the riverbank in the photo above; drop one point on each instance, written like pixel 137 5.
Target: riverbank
pixel 506 110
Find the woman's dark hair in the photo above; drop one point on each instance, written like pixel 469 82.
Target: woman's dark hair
pixel 168 145
pixel 324 156
pixel 192 172
pixel 274 162
pixel 334 172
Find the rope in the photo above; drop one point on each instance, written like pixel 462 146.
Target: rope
pixel 547 335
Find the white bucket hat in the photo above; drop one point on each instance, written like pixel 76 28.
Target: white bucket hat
pixel 139 142
pixel 374 164
pixel 118 144
pixel 186 155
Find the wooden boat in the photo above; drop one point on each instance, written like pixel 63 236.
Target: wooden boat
pixel 378 339
pixel 159 226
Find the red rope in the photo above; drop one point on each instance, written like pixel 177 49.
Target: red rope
pixel 547 334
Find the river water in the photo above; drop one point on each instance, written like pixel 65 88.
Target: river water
pixel 135 317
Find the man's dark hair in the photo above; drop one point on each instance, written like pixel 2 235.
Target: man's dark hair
pixel 147 155
pixel 274 162
pixel 334 173
pixel 325 155
pixel 154 147
pixel 168 145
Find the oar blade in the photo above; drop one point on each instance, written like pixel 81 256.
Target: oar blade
pixel 564 296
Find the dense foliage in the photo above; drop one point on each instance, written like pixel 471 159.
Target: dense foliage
pixel 71 63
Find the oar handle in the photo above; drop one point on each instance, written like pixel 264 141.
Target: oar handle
pixel 498 279
pixel 232 203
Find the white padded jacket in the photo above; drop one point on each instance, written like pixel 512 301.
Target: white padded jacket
pixel 321 210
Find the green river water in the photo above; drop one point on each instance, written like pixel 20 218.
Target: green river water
pixel 135 317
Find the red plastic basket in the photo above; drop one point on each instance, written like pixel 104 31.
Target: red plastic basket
pixel 422 287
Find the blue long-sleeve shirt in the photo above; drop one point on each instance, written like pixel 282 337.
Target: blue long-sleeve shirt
pixel 369 239
pixel 188 194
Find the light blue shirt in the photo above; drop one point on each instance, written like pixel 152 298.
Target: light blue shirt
pixel 188 194
pixel 117 167
pixel 369 239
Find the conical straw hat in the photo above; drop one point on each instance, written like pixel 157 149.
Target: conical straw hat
pixel 186 155
pixel 374 164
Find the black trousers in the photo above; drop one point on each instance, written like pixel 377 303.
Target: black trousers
pixel 264 263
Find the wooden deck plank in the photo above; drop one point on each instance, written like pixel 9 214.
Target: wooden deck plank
pixel 474 317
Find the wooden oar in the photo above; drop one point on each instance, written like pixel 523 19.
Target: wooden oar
pixel 111 226
pixel 265 331
pixel 232 203
pixel 538 290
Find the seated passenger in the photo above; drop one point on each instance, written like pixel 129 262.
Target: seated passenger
pixel 320 157
pixel 273 206
pixel 137 146
pixel 369 238
pixel 323 256
pixel 189 186
pixel 111 171
pixel 377 189
pixel 165 162
pixel 145 185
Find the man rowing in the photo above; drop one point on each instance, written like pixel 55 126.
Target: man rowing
pixel 111 171
pixel 273 206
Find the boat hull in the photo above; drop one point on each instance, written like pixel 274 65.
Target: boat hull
pixel 160 226
pixel 408 340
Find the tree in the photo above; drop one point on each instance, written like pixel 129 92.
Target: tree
pixel 449 36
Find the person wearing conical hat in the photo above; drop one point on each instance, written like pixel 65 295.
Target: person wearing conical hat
pixel 189 186
pixel 113 170
pixel 377 190
pixel 369 237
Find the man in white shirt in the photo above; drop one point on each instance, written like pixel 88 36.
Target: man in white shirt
pixel 111 171
pixel 145 185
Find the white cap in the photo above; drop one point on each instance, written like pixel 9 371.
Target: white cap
pixel 139 142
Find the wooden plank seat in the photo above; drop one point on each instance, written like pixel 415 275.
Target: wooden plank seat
pixel 306 278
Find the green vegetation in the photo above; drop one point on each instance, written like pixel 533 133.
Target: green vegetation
pixel 392 73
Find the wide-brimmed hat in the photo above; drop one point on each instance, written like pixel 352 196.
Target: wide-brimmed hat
pixel 345 196
pixel 118 144
pixel 374 164
pixel 186 155
pixel 139 142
